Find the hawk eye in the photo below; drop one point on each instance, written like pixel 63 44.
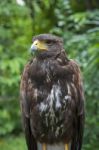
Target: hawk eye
pixel 49 42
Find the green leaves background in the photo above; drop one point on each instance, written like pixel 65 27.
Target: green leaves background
pixel 77 22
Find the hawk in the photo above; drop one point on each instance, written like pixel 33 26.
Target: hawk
pixel 52 98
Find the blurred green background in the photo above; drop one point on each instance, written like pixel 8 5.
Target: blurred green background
pixel 77 21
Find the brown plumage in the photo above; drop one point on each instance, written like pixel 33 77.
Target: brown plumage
pixel 52 99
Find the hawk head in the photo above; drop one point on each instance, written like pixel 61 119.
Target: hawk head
pixel 46 43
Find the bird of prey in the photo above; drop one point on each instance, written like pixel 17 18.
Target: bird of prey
pixel 52 98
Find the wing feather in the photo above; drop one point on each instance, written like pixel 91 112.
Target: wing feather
pixel 25 108
pixel 80 115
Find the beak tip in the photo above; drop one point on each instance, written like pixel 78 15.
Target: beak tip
pixel 33 48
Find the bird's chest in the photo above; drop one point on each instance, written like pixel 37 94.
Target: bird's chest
pixel 49 114
pixel 42 72
pixel 52 110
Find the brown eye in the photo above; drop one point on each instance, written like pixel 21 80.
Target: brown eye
pixel 48 42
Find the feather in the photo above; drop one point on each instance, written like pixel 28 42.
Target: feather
pixel 52 99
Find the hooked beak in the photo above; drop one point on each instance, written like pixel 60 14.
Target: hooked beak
pixel 33 48
pixel 38 46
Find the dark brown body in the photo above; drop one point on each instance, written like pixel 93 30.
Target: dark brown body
pixel 52 101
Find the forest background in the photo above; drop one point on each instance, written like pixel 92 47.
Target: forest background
pixel 77 22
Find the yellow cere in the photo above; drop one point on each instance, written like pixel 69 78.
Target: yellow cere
pixel 41 45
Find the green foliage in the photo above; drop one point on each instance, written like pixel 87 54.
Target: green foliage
pixel 13 45
pixel 80 31
pixel 9 116
pixel 81 5
pixel 13 143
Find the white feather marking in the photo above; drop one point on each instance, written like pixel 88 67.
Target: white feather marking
pixel 50 100
pixel 58 82
pixel 35 93
pixel 43 107
pixel 29 81
pixel 54 98
pixel 67 97
pixel 58 94
pixel 68 87
pixel 51 97
pixel 73 86
pixel 57 131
